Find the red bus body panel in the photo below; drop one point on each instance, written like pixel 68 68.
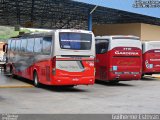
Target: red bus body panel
pixel 86 77
pixel 46 75
pixel 151 62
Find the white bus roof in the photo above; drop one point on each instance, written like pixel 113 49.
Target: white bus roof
pixel 150 45
pixel 51 32
pixel 72 30
pixel 150 42
pixel 132 41
pixel 116 36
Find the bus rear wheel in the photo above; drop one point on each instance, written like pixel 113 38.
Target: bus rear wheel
pixel 36 80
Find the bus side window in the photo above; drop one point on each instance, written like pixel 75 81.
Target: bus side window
pixel 18 44
pixel 102 46
pixel 23 45
pixel 30 45
pixel 9 44
pixel 13 45
pixel 38 45
pixel 47 41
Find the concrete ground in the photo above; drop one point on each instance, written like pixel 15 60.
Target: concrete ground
pixel 125 97
pixel 8 82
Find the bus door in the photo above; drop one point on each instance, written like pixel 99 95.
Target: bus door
pixel 102 59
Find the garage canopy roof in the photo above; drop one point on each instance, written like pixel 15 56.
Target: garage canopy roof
pixel 63 14
pixel 129 5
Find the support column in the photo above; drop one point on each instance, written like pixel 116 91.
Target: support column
pixel 90 22
pixel 90 18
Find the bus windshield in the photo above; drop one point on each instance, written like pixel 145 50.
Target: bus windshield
pixel 75 41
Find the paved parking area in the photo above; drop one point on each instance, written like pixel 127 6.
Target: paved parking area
pixel 8 82
pixel 126 97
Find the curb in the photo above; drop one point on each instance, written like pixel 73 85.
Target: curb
pixel 157 77
pixel 19 86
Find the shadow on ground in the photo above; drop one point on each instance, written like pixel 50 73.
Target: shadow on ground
pixel 20 79
pixel 63 89
pixel 148 78
pixel 113 84
pixel 50 88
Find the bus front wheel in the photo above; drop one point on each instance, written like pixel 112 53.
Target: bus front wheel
pixel 36 80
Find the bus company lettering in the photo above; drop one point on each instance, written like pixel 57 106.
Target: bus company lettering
pixel 126 53
pixel 154 59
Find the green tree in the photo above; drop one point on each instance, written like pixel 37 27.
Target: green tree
pixel 8 32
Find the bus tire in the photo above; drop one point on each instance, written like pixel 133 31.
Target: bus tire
pixel 36 80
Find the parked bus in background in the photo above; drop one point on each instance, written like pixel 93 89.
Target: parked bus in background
pixel 60 57
pixel 151 57
pixel 2 54
pixel 118 58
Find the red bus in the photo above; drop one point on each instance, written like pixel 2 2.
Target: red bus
pixel 118 58
pixel 60 57
pixel 151 57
